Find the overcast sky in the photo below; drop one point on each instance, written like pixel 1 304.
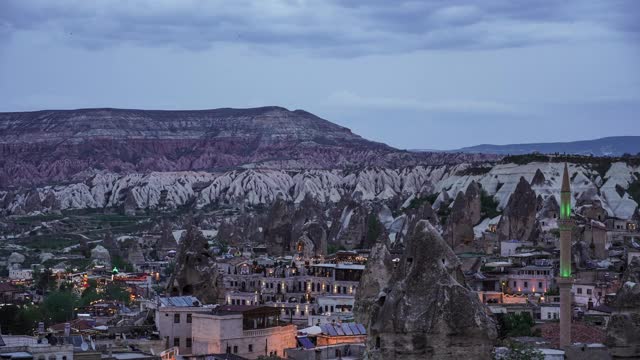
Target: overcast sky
pixel 413 74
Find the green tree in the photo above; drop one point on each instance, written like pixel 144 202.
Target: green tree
pixel 90 294
pixel 27 319
pixel 168 271
pixel 513 324
pixel 488 205
pixel 374 229
pixel 58 306
pixel 44 280
pixel 115 291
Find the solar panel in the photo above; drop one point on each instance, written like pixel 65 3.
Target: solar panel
pixel 346 329
pixel 363 331
pixel 354 328
pixel 339 330
pixel 328 329
pixel 305 342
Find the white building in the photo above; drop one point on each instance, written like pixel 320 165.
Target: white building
pixel 20 274
pixel 531 279
pixel 174 318
pixel 247 331
pixel 550 312
pixel 28 347
pixel 583 292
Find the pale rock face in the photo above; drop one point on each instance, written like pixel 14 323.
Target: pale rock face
pixel 15 258
pixel 46 256
pixel 262 186
pixel 100 254
pixel 426 309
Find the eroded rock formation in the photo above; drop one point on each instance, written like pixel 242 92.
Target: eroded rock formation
pixel 465 214
pixel 427 310
pixel 196 272
pixel 375 280
pixel 519 218
pixel 623 330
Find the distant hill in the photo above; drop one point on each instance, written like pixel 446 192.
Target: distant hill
pixel 607 146
pixel 57 146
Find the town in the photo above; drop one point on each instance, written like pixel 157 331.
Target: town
pixel 179 293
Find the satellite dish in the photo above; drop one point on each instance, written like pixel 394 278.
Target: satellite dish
pixel 84 346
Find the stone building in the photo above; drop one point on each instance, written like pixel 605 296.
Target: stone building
pixel 247 331
pixel 174 318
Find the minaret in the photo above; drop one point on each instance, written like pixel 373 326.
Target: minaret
pixel 565 281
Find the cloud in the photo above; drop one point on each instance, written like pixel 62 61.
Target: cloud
pixel 330 27
pixel 349 99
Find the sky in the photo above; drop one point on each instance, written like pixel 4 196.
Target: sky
pixel 413 74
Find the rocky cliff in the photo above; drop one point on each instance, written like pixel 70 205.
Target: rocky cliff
pixel 425 310
pixel 519 220
pixel 196 272
pixel 254 187
pixel 623 329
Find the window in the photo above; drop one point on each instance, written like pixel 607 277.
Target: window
pixel 250 347
pixel 176 342
pixel 176 318
pixel 579 290
pixel 235 349
pixel 189 342
pixel 539 285
pixel 189 318
pixel 588 291
pixel 515 284
pixel 526 284
pixel 548 315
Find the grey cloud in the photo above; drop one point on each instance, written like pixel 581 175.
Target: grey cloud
pixel 332 27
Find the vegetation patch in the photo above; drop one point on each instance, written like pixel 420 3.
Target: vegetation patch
pixel 634 189
pixel 488 205
pixel 474 171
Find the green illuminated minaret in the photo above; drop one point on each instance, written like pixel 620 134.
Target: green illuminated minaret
pixel 565 225
pixel 565 281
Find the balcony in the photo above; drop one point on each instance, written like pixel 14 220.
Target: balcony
pixel 276 330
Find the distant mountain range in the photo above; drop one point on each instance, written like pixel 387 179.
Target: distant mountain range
pixel 607 146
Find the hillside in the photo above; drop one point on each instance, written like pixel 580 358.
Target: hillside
pixel 607 146
pixel 61 146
